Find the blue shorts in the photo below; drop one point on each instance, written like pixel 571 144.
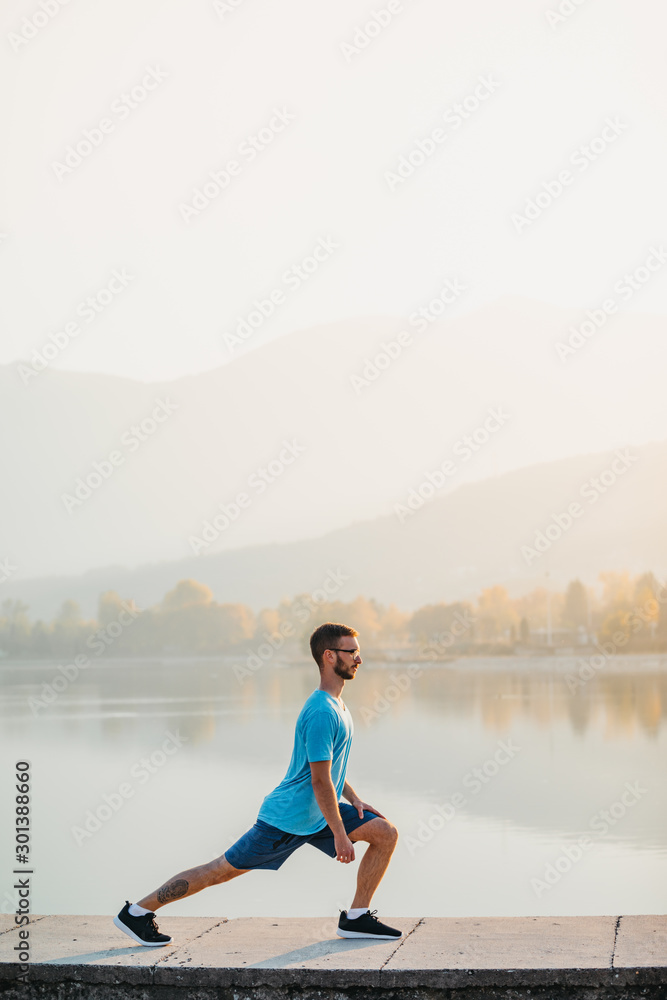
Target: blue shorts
pixel 265 846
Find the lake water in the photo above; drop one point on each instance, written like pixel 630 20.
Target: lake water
pixel 512 793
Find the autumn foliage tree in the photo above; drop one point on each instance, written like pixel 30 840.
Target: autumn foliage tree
pixel 188 620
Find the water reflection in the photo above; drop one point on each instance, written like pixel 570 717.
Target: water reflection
pixel 628 696
pixel 416 739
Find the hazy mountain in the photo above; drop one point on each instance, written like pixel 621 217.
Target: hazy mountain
pixel 449 548
pixel 363 450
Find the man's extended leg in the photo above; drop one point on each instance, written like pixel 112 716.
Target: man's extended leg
pixel 137 920
pixel 381 836
pixel 193 880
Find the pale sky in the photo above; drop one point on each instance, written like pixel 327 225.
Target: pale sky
pixel 219 78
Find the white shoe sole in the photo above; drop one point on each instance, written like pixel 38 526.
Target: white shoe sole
pixel 364 934
pixel 147 944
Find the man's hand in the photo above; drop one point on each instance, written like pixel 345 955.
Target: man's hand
pixel 344 849
pixel 360 806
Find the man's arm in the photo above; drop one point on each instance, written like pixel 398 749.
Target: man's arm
pixel 325 793
pixel 327 800
pixel 352 797
pixel 349 793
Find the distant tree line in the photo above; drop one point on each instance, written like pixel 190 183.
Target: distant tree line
pixel 628 612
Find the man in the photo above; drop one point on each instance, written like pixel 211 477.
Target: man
pixel 305 808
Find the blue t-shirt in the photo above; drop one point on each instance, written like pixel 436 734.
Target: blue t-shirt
pixel 323 731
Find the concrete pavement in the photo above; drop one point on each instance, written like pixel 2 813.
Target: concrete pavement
pixel 300 955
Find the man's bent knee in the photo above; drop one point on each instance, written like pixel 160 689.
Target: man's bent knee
pixel 391 832
pixel 376 831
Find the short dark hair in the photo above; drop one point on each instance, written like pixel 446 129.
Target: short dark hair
pixel 325 635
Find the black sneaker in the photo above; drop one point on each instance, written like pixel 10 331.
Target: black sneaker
pixel 366 926
pixel 141 929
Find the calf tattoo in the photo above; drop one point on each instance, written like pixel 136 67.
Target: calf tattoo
pixel 172 890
